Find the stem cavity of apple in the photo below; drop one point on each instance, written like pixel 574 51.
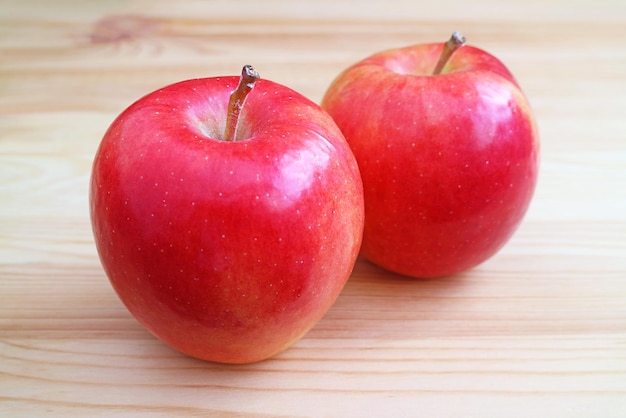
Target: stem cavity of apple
pixel 249 76
pixel 456 41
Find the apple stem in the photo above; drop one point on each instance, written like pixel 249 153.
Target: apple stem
pixel 249 76
pixel 456 41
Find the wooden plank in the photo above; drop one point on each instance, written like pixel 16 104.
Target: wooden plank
pixel 538 330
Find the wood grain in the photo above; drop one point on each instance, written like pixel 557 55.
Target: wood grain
pixel 538 330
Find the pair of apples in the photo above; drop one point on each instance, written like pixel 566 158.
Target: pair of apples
pixel 229 212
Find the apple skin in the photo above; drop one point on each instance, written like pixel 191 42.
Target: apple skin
pixel 449 162
pixel 227 251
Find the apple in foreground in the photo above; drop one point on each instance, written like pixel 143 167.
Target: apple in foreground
pixel 227 223
pixel 448 151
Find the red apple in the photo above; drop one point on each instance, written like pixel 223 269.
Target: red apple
pixel 227 225
pixel 448 151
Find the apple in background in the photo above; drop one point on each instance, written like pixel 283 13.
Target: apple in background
pixel 448 151
pixel 227 224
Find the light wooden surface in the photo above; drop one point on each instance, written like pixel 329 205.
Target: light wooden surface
pixel 537 331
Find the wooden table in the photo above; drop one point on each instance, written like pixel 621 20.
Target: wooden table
pixel 538 330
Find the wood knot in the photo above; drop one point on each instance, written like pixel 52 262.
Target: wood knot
pixel 119 28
